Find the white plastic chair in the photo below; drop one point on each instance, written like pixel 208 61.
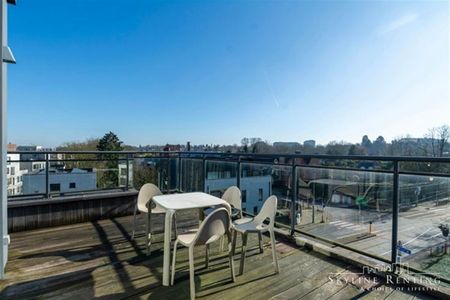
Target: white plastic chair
pixel 146 193
pixel 232 196
pixel 215 225
pixel 257 225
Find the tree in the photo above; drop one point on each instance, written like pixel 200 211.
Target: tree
pixel 78 160
pixel 109 142
pixel 378 146
pixel 365 142
pixel 439 137
pixel 110 177
pixel 357 150
pixel 144 174
pixel 337 148
pixel 261 147
pixel 443 137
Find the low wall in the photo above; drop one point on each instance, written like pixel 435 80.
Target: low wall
pixel 37 213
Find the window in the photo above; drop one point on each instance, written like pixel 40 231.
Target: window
pixel 13 171
pixel 123 172
pixel 244 196
pixel 7 171
pixel 72 185
pixel 255 210
pixel 260 194
pixel 55 187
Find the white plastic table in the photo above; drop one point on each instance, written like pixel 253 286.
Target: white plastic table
pixel 172 203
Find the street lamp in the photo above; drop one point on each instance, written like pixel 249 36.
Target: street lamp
pixel 7 57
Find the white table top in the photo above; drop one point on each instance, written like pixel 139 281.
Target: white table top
pixel 187 200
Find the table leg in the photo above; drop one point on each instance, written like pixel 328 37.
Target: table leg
pixel 167 240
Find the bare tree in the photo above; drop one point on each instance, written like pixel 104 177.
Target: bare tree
pixel 439 137
pixel 443 137
pixel 432 136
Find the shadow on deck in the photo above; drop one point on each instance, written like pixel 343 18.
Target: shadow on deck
pixel 99 260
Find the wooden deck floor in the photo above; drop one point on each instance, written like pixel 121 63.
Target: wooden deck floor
pixel 99 260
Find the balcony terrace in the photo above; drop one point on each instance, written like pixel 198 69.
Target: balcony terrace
pixel 99 259
pixel 345 221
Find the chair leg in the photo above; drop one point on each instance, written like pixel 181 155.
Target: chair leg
pixel 233 246
pixel 274 254
pixel 175 224
pixel 174 259
pixel 244 249
pixel 191 272
pixel 230 256
pixel 207 256
pixel 148 233
pixel 134 221
pixel 261 250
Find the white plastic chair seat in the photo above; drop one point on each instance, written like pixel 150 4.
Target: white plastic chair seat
pixel 242 220
pixel 251 227
pixel 186 238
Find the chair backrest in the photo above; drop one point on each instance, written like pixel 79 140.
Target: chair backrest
pixel 268 211
pixel 213 227
pixel 233 196
pixel 146 193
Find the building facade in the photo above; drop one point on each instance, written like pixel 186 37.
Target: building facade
pixel 14 175
pixel 254 189
pixel 60 181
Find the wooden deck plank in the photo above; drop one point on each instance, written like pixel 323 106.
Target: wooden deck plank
pixel 99 259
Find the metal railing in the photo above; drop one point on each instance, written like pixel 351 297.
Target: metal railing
pixel 171 173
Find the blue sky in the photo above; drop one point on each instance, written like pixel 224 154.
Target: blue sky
pixel 159 72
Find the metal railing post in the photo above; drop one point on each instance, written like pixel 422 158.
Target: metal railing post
pixel 47 183
pixel 180 172
pixel 204 173
pixel 395 216
pixel 294 197
pixel 128 173
pixel 238 177
pixel 169 175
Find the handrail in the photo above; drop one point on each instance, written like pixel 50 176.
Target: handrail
pixel 208 154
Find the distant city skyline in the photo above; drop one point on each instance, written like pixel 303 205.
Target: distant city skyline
pixel 215 72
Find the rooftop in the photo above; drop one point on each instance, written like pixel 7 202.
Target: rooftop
pixel 99 259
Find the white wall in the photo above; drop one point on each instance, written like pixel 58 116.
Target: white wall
pixel 84 181
pixel 250 186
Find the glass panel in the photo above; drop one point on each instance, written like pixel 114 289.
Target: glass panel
pixel 192 175
pixel 259 181
pixel 424 219
pixel 350 207
pixel 144 171
pixel 219 176
pixel 161 171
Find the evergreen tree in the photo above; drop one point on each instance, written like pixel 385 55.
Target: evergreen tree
pixel 110 177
